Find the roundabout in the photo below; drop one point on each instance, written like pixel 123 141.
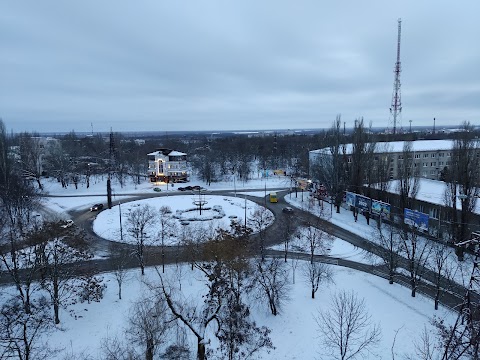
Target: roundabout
pixel 185 215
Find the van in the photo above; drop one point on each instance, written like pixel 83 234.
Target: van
pixel 273 197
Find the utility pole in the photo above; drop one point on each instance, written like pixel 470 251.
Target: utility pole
pixel 396 107
pixel 111 163
pixel 433 126
pixel 410 125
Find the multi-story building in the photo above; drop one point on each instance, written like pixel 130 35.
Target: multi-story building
pixel 167 165
pixel 430 156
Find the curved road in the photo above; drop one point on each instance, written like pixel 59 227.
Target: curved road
pixel 120 254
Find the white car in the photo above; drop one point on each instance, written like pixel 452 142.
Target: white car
pixel 67 224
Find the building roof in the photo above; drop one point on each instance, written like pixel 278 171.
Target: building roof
pixel 167 152
pixel 397 146
pixel 431 191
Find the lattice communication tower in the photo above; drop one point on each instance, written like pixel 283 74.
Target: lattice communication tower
pixel 396 107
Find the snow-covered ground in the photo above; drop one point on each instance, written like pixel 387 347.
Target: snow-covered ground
pixel 294 331
pixel 217 212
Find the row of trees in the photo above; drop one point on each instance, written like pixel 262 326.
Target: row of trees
pixel 38 257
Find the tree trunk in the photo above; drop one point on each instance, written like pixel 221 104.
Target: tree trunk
pixel 150 348
pixel 56 301
pixel 201 350
pixel 313 294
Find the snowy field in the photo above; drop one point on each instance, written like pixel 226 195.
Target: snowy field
pixel 294 331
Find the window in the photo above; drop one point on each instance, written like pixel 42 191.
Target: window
pixel 441 154
pixel 440 163
pixel 433 155
pixel 432 172
pixel 417 156
pixel 425 155
pixel 433 164
pixel 434 213
pixel 425 164
pixel 424 174
pixel 449 154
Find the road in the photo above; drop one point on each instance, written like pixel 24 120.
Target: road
pixel 122 255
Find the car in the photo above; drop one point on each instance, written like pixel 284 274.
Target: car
pixel 157 189
pixel 287 210
pixel 67 224
pixel 96 207
pixel 181 189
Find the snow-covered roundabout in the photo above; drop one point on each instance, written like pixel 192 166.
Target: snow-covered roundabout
pixel 187 216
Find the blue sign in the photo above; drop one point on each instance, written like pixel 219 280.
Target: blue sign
pixel 416 218
pixel 381 208
pixel 363 203
pixel 350 198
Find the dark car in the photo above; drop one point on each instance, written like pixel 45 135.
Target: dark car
pixel 181 189
pixel 287 210
pixel 96 207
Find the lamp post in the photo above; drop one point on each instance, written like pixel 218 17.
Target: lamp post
pixel 245 195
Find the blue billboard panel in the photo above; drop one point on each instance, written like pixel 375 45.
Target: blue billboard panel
pixel 350 198
pixel 381 208
pixel 363 203
pixel 416 218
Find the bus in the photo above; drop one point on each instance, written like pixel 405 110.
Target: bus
pixel 273 197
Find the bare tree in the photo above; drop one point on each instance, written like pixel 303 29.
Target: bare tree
pixel 148 325
pixel 287 230
pixel 21 331
pixel 318 241
pixel 272 284
pixel 408 175
pixel 388 238
pixel 347 328
pixel 316 273
pixel 138 221
pixel 55 257
pixel 330 168
pixel 31 153
pixel 417 251
pixel 426 347
pixel 462 179
pixel 196 319
pixel 121 274
pixel 167 227
pixel 259 221
pixel 442 268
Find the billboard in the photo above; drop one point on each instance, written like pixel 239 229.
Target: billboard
pixel 416 218
pixel 350 198
pixel 363 203
pixel 381 208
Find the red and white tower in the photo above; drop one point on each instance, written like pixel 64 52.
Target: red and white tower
pixel 396 107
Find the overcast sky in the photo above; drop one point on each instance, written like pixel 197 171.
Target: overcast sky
pixel 234 65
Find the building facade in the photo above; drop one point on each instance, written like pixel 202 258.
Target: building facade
pixel 430 157
pixel 167 165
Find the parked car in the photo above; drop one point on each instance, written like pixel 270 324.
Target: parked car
pixel 287 210
pixel 67 224
pixel 157 189
pixel 96 207
pixel 181 189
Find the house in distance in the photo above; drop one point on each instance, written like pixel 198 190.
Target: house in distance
pixel 167 165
